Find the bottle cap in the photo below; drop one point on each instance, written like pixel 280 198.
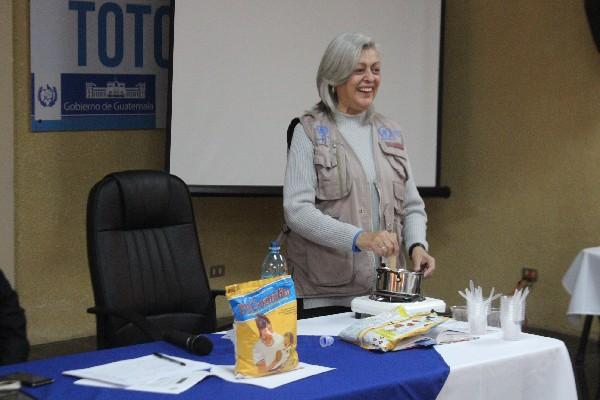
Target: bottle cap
pixel 326 341
pixel 274 245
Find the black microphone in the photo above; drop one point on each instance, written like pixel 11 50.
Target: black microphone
pixel 196 344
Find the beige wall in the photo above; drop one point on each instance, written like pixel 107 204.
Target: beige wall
pixel 520 150
pixel 54 173
pixel 7 227
pixel 520 143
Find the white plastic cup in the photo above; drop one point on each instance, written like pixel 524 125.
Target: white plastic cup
pixel 493 318
pixel 511 318
pixel 459 313
pixel 477 316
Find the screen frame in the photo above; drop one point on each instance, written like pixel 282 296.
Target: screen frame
pixel 277 191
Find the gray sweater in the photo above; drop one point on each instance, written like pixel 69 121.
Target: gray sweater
pixel 299 191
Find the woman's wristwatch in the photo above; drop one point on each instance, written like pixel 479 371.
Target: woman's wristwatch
pixel 412 247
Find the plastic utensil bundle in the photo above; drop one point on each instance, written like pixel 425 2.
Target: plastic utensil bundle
pixel 515 305
pixel 474 295
pixel 477 308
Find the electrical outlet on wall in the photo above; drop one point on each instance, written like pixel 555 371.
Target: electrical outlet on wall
pixel 216 271
pixel 529 275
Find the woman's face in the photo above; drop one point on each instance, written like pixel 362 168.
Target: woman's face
pixel 358 92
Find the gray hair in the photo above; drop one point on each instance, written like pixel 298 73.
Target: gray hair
pixel 338 62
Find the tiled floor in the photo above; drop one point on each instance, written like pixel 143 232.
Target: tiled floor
pixel 586 373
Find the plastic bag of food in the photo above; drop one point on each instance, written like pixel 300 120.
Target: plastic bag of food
pixel 393 330
pixel 264 326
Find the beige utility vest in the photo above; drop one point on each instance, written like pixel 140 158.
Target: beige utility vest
pixel 344 193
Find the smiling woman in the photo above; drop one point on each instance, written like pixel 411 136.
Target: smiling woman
pixel 349 194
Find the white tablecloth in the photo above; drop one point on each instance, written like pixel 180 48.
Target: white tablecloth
pixel 582 281
pixel 489 368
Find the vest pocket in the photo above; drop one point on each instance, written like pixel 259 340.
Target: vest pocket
pixel 397 159
pixel 399 189
pixel 399 212
pixel 398 222
pixel 329 267
pixel 333 181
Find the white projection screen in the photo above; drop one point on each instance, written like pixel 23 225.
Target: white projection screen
pixel 242 69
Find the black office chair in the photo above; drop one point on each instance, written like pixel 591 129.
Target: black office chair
pixel 145 261
pixel 14 345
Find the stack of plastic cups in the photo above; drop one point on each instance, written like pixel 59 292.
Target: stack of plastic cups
pixel 477 316
pixel 512 314
pixel 477 308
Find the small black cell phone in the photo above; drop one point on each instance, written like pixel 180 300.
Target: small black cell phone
pixel 28 379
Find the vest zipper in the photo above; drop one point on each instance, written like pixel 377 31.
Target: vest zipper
pixel 376 184
pixel 374 149
pixel 339 169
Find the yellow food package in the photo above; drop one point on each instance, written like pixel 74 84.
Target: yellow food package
pixel 264 313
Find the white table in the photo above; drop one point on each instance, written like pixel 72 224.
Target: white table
pixel 582 281
pixel 488 368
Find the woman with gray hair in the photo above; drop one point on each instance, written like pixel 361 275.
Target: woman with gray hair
pixel 349 194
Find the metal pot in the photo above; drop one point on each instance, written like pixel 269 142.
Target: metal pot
pixel 400 281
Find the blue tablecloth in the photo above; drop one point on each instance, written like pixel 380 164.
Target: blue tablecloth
pixel 359 374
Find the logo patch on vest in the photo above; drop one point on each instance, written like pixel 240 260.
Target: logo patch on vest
pixel 322 133
pixel 388 134
pixel 395 144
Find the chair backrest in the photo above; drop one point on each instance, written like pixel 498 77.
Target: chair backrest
pixel 14 346
pixel 290 131
pixel 144 256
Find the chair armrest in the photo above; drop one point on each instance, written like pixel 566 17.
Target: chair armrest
pixel 147 327
pixel 225 327
pixel 215 293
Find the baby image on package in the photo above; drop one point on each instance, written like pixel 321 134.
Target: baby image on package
pixel 264 314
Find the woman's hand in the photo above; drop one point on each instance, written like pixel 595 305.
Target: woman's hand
pixel 422 261
pixel 382 243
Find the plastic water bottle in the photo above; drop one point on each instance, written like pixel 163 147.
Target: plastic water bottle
pixel 274 264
